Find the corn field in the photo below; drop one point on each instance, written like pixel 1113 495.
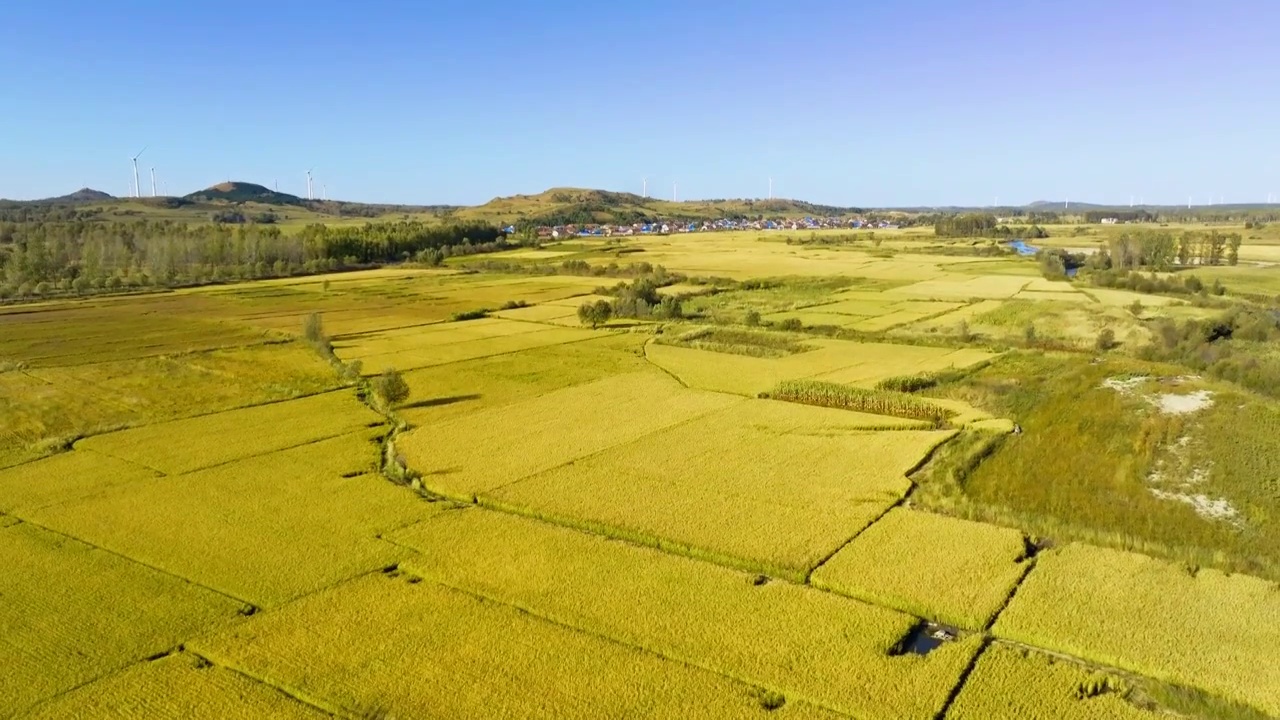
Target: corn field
pixel 847 397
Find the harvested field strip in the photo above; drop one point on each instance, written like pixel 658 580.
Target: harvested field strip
pixel 804 643
pixel 181 446
pixel 67 476
pixel 454 646
pixel 729 487
pixel 176 686
pixel 1207 630
pixel 1014 684
pixel 71 614
pixel 945 569
pixel 222 527
pixel 457 458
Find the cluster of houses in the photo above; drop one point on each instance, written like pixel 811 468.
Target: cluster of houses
pixel 671 227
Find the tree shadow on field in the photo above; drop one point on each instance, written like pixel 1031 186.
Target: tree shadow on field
pixel 437 402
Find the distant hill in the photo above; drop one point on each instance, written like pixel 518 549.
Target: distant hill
pixel 565 205
pixel 240 192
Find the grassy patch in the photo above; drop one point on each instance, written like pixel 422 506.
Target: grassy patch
pixel 737 342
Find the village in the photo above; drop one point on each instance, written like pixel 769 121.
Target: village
pixel 725 224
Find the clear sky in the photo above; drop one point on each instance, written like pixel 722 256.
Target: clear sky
pixel 900 102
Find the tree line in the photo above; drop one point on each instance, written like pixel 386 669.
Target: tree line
pixel 49 258
pixel 985 225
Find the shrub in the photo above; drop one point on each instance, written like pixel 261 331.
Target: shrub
pixel 1106 339
pixel 791 325
pixel 470 315
pixel 752 318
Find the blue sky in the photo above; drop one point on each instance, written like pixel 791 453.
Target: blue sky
pixel 892 103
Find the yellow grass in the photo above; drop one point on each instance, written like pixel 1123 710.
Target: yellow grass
pixel 834 360
pixel 762 484
pixel 177 686
pixel 71 614
pixel 66 476
pixel 1013 684
pixel 1075 297
pixel 1125 298
pixel 955 571
pixel 1212 631
pixel 181 446
pixel 804 643
pixel 417 649
pixel 266 530
pixel 491 448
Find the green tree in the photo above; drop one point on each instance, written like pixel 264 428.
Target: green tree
pixel 390 388
pixel 595 314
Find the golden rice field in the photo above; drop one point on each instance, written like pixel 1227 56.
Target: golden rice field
pixel 44 408
pixel 806 644
pixel 457 458
pixel 834 360
pixel 265 529
pixel 405 648
pixel 176 686
pixel 180 446
pixel 764 485
pixel 1014 684
pixel 194 519
pixel 1207 630
pixel 954 571
pixel 72 613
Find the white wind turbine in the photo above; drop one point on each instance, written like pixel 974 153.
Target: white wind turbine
pixel 153 182
pixel 644 193
pixel 137 191
pixel 309 197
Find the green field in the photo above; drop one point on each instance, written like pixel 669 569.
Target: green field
pixel 900 478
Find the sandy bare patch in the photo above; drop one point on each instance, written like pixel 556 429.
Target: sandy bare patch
pixel 1205 506
pixel 1171 404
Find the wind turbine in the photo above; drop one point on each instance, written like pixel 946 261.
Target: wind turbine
pixel 309 185
pixel 324 192
pixel 137 191
pixel 153 182
pixel 675 187
pixel 645 192
pixel 770 188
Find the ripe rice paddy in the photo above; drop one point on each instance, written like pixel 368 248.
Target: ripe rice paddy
pixel 752 507
pixel 456 458
pixel 72 613
pixel 954 571
pixel 651 529
pixel 1206 629
pixel 176 686
pixel 456 647
pixel 180 446
pixel 222 527
pixel 803 643
pixel 1014 684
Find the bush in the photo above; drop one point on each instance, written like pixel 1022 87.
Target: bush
pixel 791 325
pixel 470 315
pixel 752 318
pixel 1106 339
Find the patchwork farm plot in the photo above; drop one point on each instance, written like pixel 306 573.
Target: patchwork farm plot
pixel 205 510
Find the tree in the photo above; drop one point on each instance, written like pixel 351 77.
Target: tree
pixel 313 329
pixel 752 318
pixel 390 388
pixel 595 314
pixel 1136 308
pixel 1106 339
pixel 1233 249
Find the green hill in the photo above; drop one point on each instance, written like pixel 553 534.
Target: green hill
pixel 241 192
